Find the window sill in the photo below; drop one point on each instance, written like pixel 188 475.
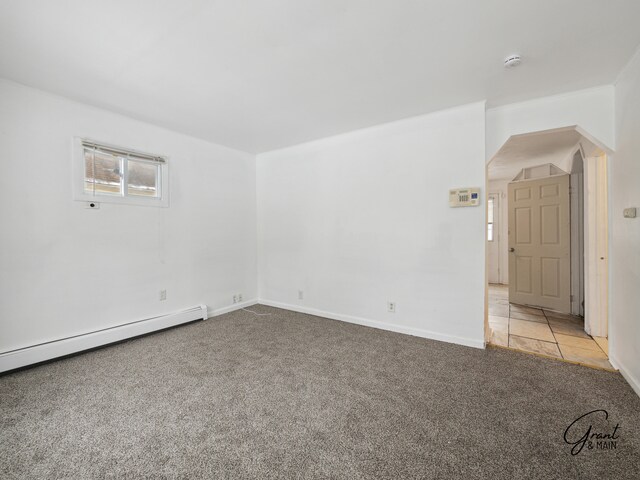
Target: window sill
pixel 119 200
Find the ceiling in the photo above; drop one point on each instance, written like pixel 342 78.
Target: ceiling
pixel 530 150
pixel 260 75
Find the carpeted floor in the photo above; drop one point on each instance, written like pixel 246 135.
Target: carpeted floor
pixel 297 396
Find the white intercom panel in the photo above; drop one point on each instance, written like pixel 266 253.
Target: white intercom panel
pixel 464 197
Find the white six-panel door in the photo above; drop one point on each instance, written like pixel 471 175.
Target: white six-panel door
pixel 540 243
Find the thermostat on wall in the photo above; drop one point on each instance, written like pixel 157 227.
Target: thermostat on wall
pixel 464 197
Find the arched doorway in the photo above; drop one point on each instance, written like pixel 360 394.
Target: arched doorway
pixel 546 190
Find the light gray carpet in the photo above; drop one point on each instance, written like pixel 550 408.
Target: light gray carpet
pixel 297 396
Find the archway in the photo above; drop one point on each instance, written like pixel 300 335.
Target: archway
pixel 562 332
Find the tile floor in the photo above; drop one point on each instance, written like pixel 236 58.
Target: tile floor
pixel 544 332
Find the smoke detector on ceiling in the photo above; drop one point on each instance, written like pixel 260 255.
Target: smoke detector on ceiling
pixel 512 61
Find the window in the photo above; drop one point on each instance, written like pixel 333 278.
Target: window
pixel 490 214
pixel 118 175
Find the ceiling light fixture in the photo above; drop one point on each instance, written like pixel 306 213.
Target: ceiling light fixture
pixel 512 61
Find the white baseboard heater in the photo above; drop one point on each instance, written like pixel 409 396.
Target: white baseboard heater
pixel 30 355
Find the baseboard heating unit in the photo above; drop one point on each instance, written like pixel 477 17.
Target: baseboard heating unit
pixel 22 357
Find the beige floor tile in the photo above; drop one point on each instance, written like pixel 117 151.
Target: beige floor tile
pixel 603 343
pixel 535 330
pixel 499 327
pixel 498 301
pixel 497 320
pixel 528 316
pixel 566 316
pixel 534 346
pixel 585 356
pixel 530 310
pixel 499 338
pixel 576 322
pixel 567 321
pixel 568 329
pixel 585 343
pixel 499 310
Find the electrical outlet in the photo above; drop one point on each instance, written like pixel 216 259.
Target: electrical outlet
pixel 391 307
pixel 300 294
pixel 235 299
pixel 163 295
pixel 239 297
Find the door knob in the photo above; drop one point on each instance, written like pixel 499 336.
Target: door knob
pixel 512 249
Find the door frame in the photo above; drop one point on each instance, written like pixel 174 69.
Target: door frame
pixel 577 212
pixel 596 246
pixel 497 222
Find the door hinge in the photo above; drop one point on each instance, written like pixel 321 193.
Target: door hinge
pixel 571 298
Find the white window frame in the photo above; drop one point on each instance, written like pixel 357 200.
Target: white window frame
pixel 79 194
pixel 492 198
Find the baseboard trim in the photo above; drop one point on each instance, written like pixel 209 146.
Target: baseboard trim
pixel 231 308
pixel 416 332
pixel 631 380
pixel 31 355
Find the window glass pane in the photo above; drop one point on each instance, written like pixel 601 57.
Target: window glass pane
pixel 142 179
pixel 103 173
pixel 490 210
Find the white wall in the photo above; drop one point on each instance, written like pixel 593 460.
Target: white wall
pixel 624 247
pixel 363 218
pixel 353 220
pixel 592 110
pixel 67 270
